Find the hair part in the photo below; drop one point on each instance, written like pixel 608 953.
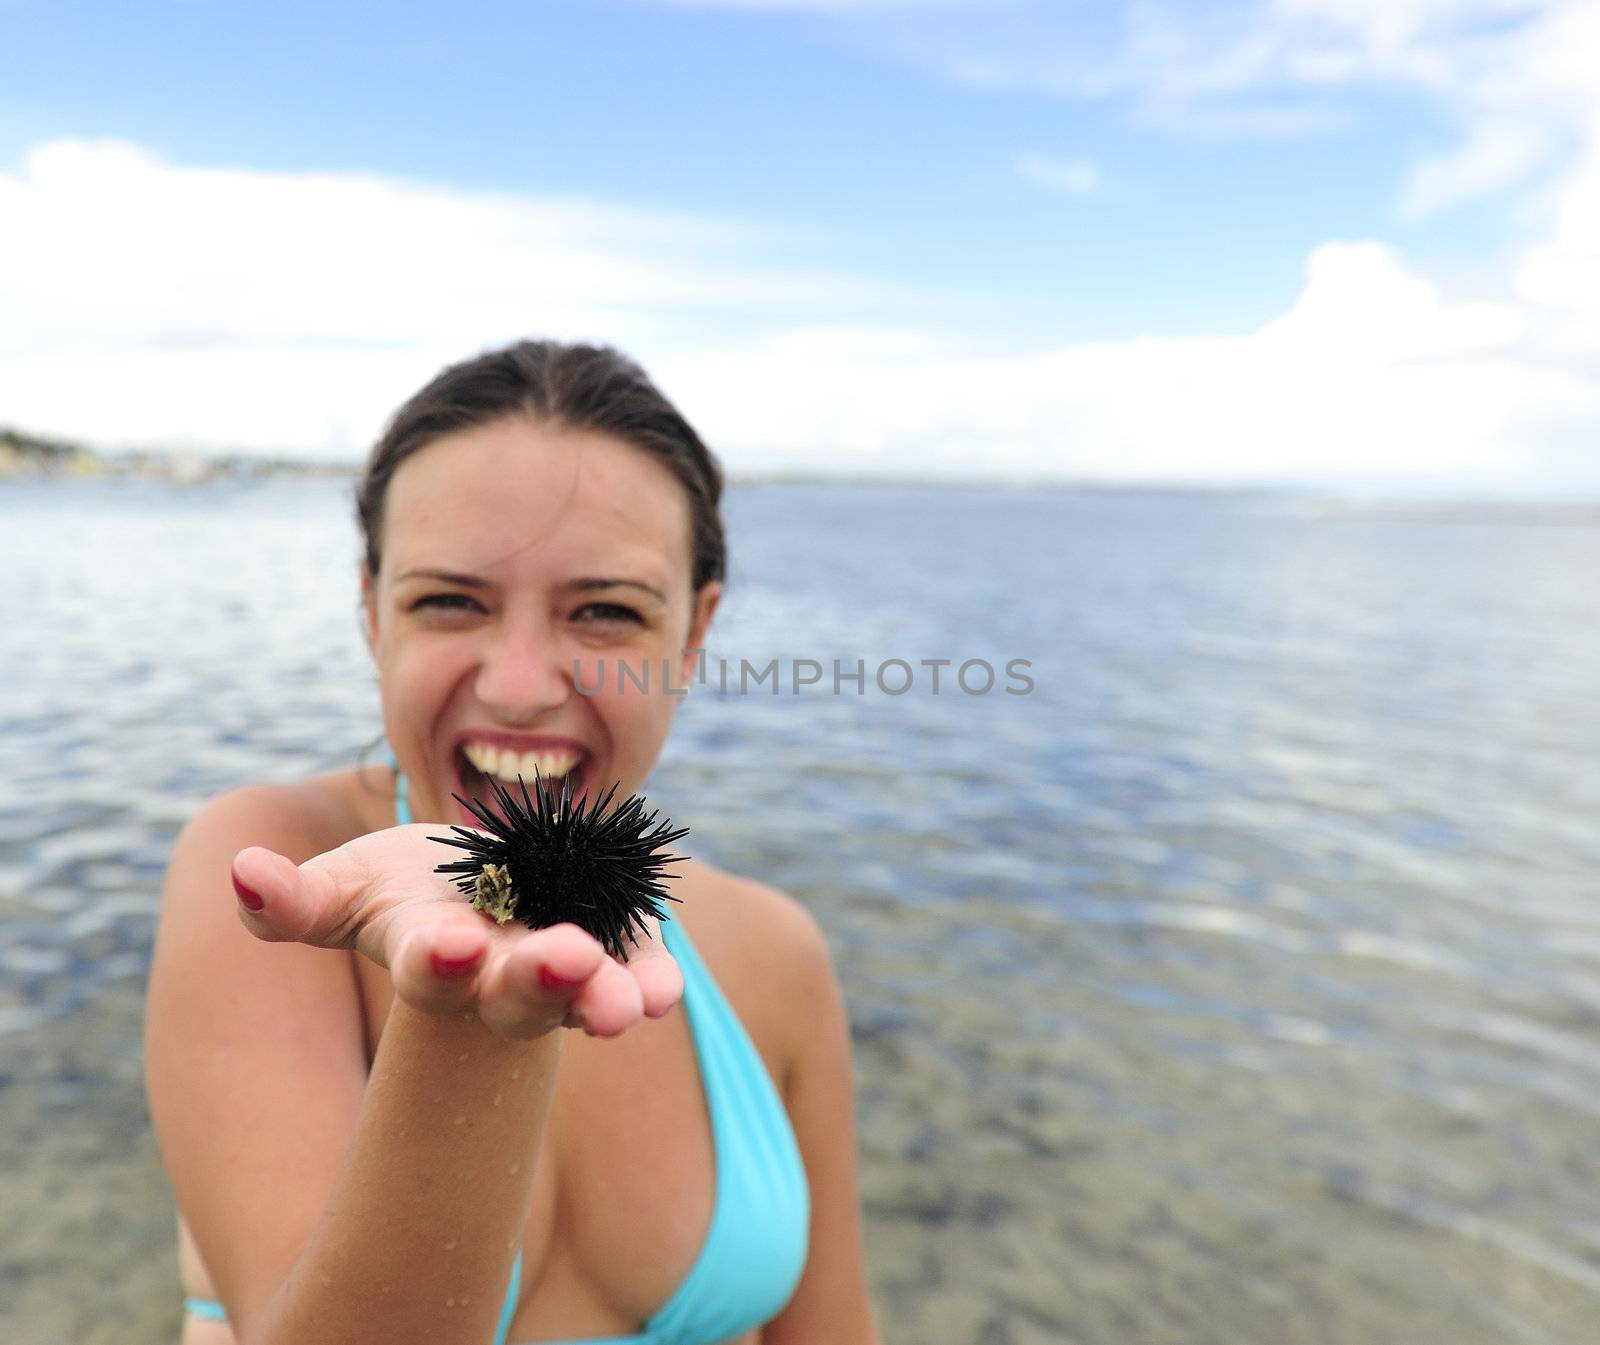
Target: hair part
pixel 575 387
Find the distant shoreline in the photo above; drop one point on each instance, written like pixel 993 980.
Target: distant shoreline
pixel 29 458
pixel 35 458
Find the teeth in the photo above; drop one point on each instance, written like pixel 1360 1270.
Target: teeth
pixel 506 764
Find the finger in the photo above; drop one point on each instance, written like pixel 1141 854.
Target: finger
pixel 611 1002
pixel 569 955
pixel 315 902
pixel 529 990
pixel 436 962
pixel 659 977
pixel 283 902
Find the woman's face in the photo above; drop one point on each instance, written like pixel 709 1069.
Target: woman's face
pixel 521 563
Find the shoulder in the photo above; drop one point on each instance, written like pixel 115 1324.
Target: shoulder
pixel 769 954
pixel 753 924
pixel 198 923
pixel 203 951
pixel 298 819
pixel 753 908
pixel 223 1005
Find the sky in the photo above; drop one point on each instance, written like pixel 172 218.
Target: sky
pixel 1348 245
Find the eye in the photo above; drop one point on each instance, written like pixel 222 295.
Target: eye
pixel 446 602
pixel 607 611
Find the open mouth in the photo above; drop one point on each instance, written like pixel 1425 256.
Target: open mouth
pixel 478 763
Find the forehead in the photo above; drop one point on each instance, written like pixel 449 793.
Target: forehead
pixel 515 493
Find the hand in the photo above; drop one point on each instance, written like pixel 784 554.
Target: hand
pixel 379 895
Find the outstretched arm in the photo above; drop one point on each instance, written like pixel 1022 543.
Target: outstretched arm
pixel 327 1204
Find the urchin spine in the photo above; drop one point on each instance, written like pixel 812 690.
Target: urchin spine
pixel 545 861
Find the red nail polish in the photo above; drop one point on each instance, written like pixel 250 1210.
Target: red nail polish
pixel 551 980
pixel 451 967
pixel 251 901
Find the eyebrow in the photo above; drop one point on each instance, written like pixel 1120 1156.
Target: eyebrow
pixel 586 585
pixel 444 577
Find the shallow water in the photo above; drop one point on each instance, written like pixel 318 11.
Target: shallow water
pixel 1238 983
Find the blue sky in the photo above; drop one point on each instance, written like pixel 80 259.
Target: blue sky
pixel 875 201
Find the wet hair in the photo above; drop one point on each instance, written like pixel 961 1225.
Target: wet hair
pixel 574 387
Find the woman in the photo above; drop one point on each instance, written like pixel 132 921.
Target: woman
pixel 375 1127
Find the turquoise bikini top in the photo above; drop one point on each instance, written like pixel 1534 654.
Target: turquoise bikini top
pixel 755 1248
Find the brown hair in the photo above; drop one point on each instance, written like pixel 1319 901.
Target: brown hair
pixel 577 387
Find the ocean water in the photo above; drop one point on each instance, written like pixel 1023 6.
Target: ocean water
pixel 1239 982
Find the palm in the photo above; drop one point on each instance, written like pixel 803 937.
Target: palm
pixel 378 895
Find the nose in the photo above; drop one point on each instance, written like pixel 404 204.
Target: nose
pixel 521 676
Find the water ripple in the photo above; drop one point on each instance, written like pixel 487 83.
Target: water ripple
pixel 1242 974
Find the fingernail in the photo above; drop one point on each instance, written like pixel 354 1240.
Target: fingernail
pixel 450 967
pixel 551 980
pixel 251 901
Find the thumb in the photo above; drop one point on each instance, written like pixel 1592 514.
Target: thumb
pixel 317 902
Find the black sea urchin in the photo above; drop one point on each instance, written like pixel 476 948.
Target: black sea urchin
pixel 547 861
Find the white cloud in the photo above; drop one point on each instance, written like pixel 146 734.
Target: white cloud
pixel 163 255
pixel 1362 305
pixel 1371 380
pixel 1076 178
pixel 1512 76
pixel 1561 272
pixel 1496 155
pixel 148 302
